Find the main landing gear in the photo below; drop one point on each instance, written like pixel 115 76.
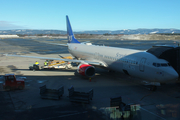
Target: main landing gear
pixel 152 86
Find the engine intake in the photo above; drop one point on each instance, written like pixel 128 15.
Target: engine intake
pixel 86 70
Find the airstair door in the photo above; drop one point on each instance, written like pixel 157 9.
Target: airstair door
pixel 142 64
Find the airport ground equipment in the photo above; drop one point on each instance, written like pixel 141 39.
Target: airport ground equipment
pixel 115 101
pixel 122 110
pixel 33 67
pixel 51 93
pixel 58 66
pixel 11 82
pixel 83 97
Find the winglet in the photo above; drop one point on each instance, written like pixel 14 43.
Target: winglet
pixel 71 38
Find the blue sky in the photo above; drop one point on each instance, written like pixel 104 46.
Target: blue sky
pixel 89 15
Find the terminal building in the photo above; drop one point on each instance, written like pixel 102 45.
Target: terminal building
pixel 9 36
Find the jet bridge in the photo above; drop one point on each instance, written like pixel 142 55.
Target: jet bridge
pixel 169 53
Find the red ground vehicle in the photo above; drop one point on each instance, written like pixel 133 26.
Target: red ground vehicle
pixel 11 82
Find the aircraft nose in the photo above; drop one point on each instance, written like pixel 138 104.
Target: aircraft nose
pixel 173 75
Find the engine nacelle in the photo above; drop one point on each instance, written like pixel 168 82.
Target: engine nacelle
pixel 86 70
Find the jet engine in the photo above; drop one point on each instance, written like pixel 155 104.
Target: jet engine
pixel 86 70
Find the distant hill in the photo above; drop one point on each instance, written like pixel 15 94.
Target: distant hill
pixel 125 31
pixel 31 32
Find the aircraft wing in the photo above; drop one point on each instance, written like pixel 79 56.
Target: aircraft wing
pixel 98 63
pixel 66 44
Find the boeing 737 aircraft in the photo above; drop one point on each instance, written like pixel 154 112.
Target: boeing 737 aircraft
pixel 135 63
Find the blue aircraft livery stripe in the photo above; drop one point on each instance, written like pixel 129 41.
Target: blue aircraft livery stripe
pixel 71 38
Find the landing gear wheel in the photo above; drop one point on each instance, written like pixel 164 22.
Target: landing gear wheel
pixel 76 73
pixel 153 88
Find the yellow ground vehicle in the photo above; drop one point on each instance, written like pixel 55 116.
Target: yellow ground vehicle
pixel 58 64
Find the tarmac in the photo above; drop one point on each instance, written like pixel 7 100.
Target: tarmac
pixel 27 104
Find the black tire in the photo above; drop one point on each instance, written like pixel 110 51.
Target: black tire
pixel 7 88
pixel 20 87
pixel 31 68
pixel 76 73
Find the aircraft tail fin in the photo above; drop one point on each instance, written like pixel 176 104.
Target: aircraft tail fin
pixel 71 38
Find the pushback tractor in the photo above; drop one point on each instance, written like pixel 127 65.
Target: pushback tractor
pixel 11 82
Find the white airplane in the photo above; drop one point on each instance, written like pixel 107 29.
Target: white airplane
pixel 135 63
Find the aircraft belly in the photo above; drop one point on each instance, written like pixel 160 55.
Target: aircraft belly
pixel 116 66
pixel 133 70
pixel 147 74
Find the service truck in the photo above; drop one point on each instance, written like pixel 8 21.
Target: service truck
pixel 11 82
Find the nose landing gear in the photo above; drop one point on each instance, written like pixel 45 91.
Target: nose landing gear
pixel 153 88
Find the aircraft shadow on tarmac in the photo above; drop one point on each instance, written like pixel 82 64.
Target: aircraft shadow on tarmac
pixel 51 109
pixel 61 70
pixel 114 76
pixel 103 93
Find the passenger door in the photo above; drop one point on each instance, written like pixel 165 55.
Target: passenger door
pixel 142 64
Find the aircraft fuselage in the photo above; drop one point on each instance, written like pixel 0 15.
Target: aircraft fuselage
pixel 135 63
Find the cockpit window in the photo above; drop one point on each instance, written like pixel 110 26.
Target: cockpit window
pixel 164 64
pixel 154 64
pixel 158 65
pixel 169 64
pixel 161 64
